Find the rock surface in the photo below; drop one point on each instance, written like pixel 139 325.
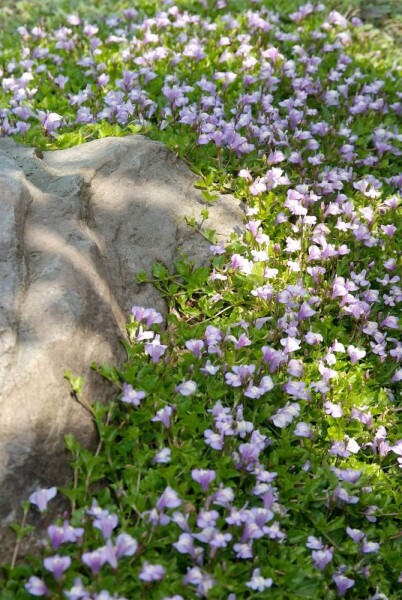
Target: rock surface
pixel 76 227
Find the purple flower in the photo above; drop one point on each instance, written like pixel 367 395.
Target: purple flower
pixel 240 374
pixel 322 557
pixel 397 376
pixel 295 368
pixel 273 357
pixel 349 475
pixel 42 496
pixel 342 583
pixel 109 554
pixel 290 344
pixel 36 586
pixel 94 560
pixel 150 573
pixel 131 396
pixel 106 524
pixel 284 416
pixel 314 543
pixel 66 533
pixel 187 388
pixel 163 416
pixel 388 230
pixel 355 534
pixel 56 535
pixel 203 477
pixel 258 583
pixel 185 544
pixel 77 592
pixel 223 497
pixel 355 354
pixel 50 121
pixel 162 457
pixel 243 550
pixel 195 346
pixel 149 315
pixel 125 545
pixel 181 520
pixel 209 368
pixel 57 565
pixel 215 440
pixel 194 576
pixel 155 349
pixel 219 539
pixel 303 430
pixel 169 499
pixel 369 547
pixel 365 418
pixel 213 335
pixel 369 512
pixel 207 519
pixel 296 389
pixel 96 511
pixel 390 322
pixel 335 410
pixel 397 447
pixel 105 595
pixel 156 517
pixel 305 311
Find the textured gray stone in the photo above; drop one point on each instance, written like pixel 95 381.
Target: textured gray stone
pixel 76 227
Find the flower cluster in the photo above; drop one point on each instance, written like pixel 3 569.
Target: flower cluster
pixel 256 444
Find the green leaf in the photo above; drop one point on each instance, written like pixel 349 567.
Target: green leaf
pixel 159 271
pixel 77 383
pixel 141 277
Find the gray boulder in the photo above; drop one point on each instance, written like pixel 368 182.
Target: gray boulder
pixel 76 227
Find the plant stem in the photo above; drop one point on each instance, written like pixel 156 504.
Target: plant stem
pixel 19 539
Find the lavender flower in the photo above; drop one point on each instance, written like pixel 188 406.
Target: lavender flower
pixel 163 416
pixel 369 547
pixel 314 543
pixel 355 354
pixel 258 583
pixel 195 346
pixel 50 121
pixel 215 440
pixel 65 533
pixel 335 410
pixel 125 545
pixel 57 565
pixel 36 586
pixel 42 496
pixel 187 388
pixel 322 557
pixel 106 524
pixel 204 477
pixel 285 416
pixel 162 457
pixel 155 349
pixel 355 534
pixel 131 396
pixel 303 430
pixel 77 592
pixel 149 315
pixel 169 499
pixel 342 583
pixel 151 573
pixel 94 560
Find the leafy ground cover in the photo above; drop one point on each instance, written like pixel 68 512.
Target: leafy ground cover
pixel 254 448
